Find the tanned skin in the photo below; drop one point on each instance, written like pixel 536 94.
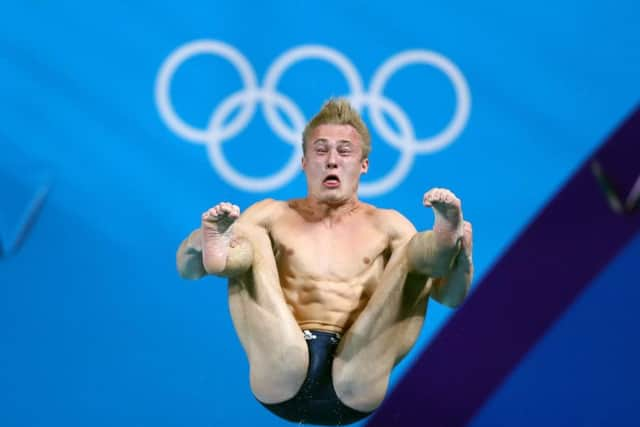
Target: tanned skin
pixel 331 262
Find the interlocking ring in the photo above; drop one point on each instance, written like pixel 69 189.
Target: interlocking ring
pixel 272 101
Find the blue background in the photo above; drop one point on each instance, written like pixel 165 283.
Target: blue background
pixel 96 326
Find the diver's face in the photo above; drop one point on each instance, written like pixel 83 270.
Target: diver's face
pixel 333 163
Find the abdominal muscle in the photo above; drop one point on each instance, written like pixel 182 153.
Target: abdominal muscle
pixel 329 304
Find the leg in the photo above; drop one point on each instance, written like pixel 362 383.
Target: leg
pixel 382 335
pixel 277 352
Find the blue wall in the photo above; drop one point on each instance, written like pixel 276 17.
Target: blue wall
pixel 584 372
pixel 98 329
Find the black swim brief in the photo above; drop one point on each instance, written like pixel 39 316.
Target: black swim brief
pixel 316 401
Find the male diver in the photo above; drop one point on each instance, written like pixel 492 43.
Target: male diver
pixel 327 293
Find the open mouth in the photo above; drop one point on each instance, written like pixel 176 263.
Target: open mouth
pixel 331 181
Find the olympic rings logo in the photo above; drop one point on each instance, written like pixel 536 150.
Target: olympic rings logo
pixel 246 100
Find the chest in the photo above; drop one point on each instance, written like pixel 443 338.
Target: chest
pixel 340 251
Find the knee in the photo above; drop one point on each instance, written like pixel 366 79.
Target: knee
pixel 363 392
pixel 278 376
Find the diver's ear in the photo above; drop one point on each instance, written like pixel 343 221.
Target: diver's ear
pixel 303 162
pixel 364 165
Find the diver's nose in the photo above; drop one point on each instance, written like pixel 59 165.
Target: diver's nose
pixel 332 160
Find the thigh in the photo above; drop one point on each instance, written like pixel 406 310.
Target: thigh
pixel 275 346
pixel 381 336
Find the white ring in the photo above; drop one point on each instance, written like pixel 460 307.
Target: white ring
pixel 302 53
pixel 402 167
pixel 175 60
pixel 217 133
pixel 214 146
pixel 463 98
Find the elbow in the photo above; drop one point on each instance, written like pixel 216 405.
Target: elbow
pixel 189 270
pixel 451 293
pixel 453 302
pixel 450 301
pixel 190 275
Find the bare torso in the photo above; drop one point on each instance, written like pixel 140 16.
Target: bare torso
pixel 328 269
pixel 329 262
pixel 353 269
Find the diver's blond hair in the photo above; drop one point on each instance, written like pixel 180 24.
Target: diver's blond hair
pixel 338 111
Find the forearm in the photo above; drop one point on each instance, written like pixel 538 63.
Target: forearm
pixel 452 289
pixel 189 257
pixel 431 255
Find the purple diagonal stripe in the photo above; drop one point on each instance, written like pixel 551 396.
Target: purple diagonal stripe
pixel 545 269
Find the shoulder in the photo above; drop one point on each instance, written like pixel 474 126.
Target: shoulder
pixel 263 212
pixel 267 204
pixel 393 223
